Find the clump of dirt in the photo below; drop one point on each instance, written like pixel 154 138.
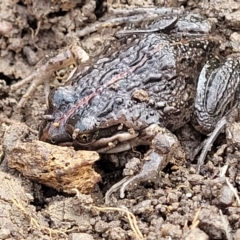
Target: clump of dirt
pixel 181 205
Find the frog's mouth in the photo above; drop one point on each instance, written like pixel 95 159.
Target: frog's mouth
pixel 106 140
pixel 118 142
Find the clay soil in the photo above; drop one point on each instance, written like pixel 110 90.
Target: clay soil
pixel 180 205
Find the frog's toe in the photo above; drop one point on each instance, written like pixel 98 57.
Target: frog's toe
pixel 122 185
pixel 114 188
pixel 35 79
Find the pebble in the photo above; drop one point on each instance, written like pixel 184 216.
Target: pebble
pixel 198 234
pixel 226 196
pixel 80 236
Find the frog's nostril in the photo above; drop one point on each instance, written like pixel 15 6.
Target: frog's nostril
pixel 43 135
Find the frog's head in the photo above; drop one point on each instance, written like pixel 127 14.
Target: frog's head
pixel 104 140
pixel 84 125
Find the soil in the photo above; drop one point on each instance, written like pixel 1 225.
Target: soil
pixel 182 204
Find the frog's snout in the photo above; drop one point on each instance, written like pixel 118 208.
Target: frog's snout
pixel 44 133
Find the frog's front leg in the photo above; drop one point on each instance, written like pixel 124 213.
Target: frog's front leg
pixel 164 147
pixel 42 74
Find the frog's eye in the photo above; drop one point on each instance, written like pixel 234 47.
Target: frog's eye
pixel 85 137
pixel 53 140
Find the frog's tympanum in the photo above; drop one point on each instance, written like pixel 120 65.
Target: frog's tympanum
pixel 140 95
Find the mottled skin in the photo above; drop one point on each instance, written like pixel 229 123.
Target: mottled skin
pixel 167 69
pixel 217 92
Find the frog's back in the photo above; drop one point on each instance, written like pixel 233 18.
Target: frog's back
pixel 152 81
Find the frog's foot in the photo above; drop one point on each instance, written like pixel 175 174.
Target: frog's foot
pixel 150 171
pixel 165 147
pixel 73 55
pixel 207 144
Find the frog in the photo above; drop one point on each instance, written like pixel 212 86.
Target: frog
pixel 141 94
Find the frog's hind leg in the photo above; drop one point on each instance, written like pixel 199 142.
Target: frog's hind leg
pixel 216 99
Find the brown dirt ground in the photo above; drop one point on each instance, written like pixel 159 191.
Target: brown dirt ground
pixel 183 205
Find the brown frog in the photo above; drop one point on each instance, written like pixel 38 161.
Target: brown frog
pixel 141 94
